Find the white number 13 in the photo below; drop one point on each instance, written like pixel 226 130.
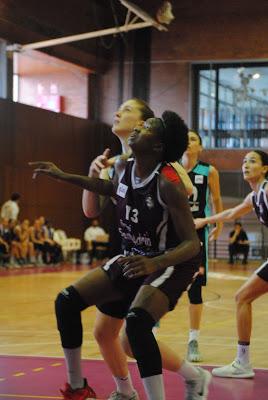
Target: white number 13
pixel 132 214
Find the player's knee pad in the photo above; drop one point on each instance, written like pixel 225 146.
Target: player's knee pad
pixel 195 293
pixel 68 307
pixel 139 325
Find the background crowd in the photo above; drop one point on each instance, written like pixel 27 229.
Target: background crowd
pixel 26 243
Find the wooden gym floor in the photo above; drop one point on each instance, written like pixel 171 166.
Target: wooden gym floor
pixel 27 322
pixel 28 328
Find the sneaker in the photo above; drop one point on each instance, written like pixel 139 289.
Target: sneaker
pixel 120 396
pixel 198 389
pixel 85 393
pixel 193 353
pixel 234 370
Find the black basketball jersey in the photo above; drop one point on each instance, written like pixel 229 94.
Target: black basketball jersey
pixel 199 200
pixel 260 203
pixel 144 223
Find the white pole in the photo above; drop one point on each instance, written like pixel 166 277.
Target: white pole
pixel 82 36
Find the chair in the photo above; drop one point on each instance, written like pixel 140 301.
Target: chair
pixel 98 248
pixel 69 246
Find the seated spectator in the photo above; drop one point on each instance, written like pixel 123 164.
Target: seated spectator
pixel 53 249
pixel 9 233
pixel 44 242
pixel 15 245
pixel 26 245
pixel 238 243
pixel 37 238
pixel 4 243
pixel 10 209
pixel 97 240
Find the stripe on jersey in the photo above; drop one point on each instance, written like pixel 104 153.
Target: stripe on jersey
pixel 162 278
pixel 263 266
pixel 201 169
pixel 107 265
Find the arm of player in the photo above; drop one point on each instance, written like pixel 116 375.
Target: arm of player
pixel 215 191
pixel 100 186
pixel 227 215
pixel 92 203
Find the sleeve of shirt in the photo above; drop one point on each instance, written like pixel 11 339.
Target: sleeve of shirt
pixel 88 236
pixel 244 236
pixel 170 173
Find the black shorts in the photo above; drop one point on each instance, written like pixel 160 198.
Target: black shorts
pixel 3 249
pixel 172 281
pixel 262 271
pixel 38 246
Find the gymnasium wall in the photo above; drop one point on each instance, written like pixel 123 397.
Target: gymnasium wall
pixel 206 31
pixel 30 134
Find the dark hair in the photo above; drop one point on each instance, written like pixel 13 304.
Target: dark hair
pixel 198 135
pixel 175 136
pixel 264 158
pixel 145 110
pixel 15 196
pixel 238 223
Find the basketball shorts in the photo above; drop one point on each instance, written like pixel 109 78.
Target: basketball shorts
pixel 262 271
pixel 172 281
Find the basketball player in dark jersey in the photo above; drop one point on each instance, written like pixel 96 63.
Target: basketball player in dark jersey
pixel 110 316
pixel 160 255
pixel 206 188
pixel 255 172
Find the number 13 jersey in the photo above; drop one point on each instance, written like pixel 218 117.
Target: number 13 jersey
pixel 144 223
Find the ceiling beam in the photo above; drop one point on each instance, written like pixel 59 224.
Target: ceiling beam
pixel 147 21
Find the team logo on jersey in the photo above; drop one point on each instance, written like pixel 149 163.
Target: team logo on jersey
pixel 149 202
pixel 199 179
pixel 122 190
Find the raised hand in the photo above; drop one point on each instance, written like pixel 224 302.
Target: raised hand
pixel 99 163
pixel 46 168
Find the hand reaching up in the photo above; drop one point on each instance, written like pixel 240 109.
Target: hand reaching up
pixel 99 163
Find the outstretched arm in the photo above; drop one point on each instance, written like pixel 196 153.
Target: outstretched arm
pixel 214 186
pixel 97 185
pixel 92 203
pixel 227 215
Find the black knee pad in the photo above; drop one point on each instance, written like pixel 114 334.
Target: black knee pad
pixel 68 307
pixel 139 325
pixel 195 292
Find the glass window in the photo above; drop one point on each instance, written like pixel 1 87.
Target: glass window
pixel 232 101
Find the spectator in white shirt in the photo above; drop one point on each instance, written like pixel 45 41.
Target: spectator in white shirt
pixel 96 239
pixel 10 209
